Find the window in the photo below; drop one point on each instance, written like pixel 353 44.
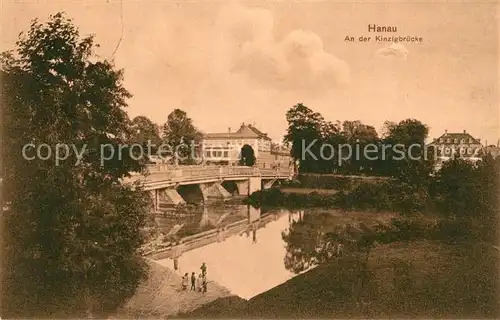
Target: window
pixel 441 140
pixel 462 141
pixel 455 140
pixel 470 141
pixel 448 140
pixel 226 154
pixel 208 154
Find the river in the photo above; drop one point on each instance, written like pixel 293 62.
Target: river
pixel 253 253
pixel 260 252
pixel 248 262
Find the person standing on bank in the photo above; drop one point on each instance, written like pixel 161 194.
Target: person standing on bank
pixel 203 269
pixel 193 282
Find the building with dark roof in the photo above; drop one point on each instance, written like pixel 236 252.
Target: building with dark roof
pixel 453 145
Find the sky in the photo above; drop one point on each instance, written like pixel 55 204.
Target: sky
pixel 228 62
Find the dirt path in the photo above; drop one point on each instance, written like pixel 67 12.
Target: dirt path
pixel 161 296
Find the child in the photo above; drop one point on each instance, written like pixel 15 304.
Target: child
pixel 200 282
pixel 204 283
pixel 193 282
pixel 185 281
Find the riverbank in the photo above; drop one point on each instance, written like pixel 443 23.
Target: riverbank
pixel 161 296
pixel 375 195
pixel 413 279
pixel 307 190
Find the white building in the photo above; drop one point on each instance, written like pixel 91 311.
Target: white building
pixel 225 148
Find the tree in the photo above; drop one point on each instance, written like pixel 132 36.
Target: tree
pixel 356 131
pixel 180 134
pixel 405 142
pixel 359 136
pixel 72 229
pixel 144 130
pixel 467 189
pixel 304 129
pixel 247 157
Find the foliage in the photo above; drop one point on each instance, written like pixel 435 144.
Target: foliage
pixel 322 181
pixel 304 127
pixel 71 230
pixel 321 146
pixel 458 188
pixel 143 131
pixel 180 134
pixel 359 136
pixel 368 196
pixel 464 190
pixel 291 183
pixel 247 157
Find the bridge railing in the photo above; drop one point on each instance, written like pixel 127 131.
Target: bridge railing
pixel 199 172
pixel 276 172
pixel 154 168
pixel 181 173
pixel 239 171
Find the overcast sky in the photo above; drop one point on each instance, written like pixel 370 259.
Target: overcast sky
pixel 226 63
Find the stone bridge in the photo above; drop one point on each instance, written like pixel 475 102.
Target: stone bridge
pixel 176 185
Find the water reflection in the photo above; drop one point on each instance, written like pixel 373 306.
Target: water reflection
pixel 246 265
pixel 282 244
pixel 178 223
pixel 204 221
pixel 321 236
pixel 263 249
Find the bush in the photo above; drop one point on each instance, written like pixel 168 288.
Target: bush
pixel 318 181
pixel 411 228
pixel 291 183
pixel 269 197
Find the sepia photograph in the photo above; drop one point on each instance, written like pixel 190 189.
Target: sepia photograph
pixel 230 159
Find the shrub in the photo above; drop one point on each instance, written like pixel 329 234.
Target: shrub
pixel 456 230
pixel 319 181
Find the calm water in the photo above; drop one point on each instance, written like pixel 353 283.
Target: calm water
pixel 271 247
pixel 249 262
pixel 274 246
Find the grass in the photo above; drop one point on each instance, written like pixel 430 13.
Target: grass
pixel 418 279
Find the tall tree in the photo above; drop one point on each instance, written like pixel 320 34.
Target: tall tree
pixel 356 131
pixel 180 134
pixel 331 135
pixel 145 131
pixel 247 156
pixel 304 130
pixel 71 229
pixel 406 157
pixel 359 136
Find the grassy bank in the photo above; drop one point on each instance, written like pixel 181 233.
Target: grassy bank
pixel 405 279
